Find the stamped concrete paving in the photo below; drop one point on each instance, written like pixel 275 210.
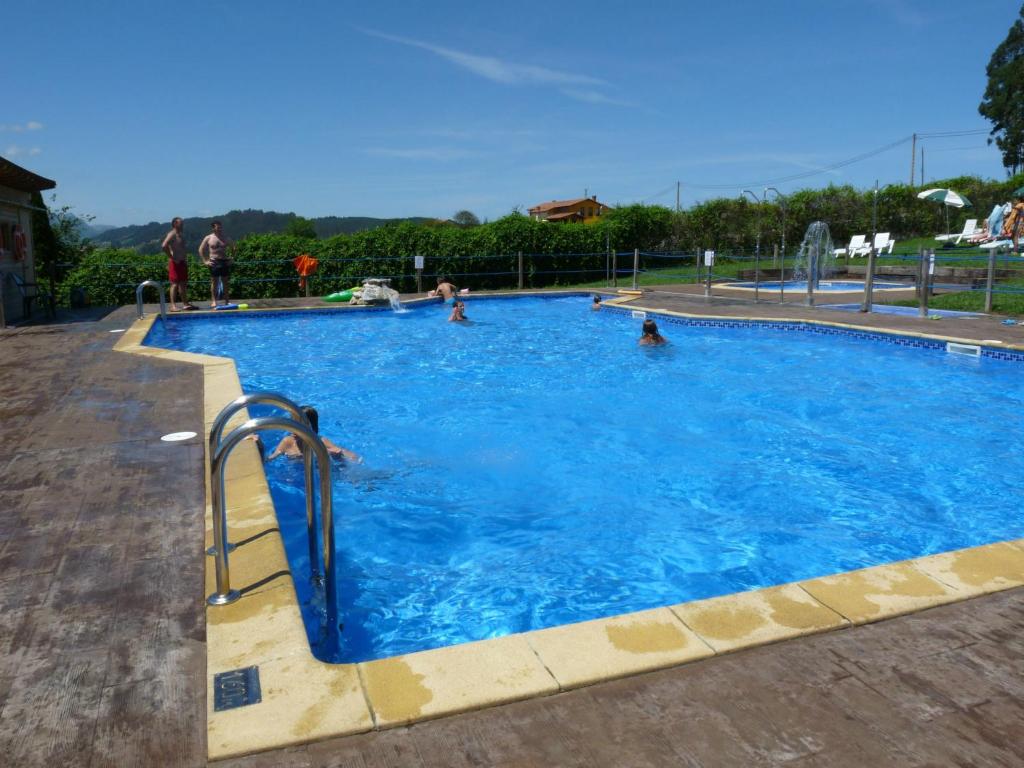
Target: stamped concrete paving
pixel 102 657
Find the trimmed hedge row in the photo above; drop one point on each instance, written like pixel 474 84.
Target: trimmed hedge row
pixel 485 256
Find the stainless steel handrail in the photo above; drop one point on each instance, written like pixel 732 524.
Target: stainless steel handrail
pixel 217 429
pixel 225 594
pixel 138 298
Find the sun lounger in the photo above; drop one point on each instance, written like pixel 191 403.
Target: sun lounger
pixel 970 227
pixel 881 244
pixel 856 243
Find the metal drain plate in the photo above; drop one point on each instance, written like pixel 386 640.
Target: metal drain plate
pixel 237 688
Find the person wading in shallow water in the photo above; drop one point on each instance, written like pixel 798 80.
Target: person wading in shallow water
pixel 651 337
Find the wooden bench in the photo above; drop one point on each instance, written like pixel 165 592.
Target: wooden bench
pixel 29 293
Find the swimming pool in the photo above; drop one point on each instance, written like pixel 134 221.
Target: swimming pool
pixel 824 286
pixel 538 468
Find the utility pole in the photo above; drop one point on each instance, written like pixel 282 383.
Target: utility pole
pixel 913 154
pixel 922 166
pixel 677 197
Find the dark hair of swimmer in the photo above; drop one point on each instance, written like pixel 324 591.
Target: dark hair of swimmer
pixel 597 299
pixel 311 416
pixel 650 328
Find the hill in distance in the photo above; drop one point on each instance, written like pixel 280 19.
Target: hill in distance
pixel 146 238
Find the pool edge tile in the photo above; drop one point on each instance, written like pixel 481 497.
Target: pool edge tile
pixel 880 592
pixel 979 570
pixel 604 649
pixel 458 678
pixel 329 703
pixel 758 617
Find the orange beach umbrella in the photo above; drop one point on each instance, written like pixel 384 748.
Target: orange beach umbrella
pixel 305 265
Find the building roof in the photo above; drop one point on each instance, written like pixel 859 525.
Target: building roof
pixel 559 204
pixel 16 177
pixel 566 215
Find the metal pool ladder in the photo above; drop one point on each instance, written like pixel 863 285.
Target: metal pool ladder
pixel 324 576
pixel 138 298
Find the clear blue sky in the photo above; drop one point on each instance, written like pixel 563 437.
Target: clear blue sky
pixel 144 110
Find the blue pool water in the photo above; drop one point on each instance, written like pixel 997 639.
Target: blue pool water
pixel 537 467
pixel 824 286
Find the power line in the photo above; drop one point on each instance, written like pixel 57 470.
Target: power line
pixel 805 174
pixel 823 169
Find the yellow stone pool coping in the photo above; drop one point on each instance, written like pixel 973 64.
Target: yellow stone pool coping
pixel 306 700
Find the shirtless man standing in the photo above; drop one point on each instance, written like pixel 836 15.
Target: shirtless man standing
pixel 177 265
pixel 214 253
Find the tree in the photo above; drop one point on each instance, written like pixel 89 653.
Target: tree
pixel 1003 102
pixel 466 219
pixel 301 227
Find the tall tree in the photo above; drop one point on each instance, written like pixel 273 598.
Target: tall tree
pixel 466 219
pixel 301 227
pixel 1003 102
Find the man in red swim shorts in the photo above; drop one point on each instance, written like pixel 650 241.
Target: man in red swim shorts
pixel 177 265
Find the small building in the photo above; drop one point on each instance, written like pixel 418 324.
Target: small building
pixel 584 209
pixel 16 261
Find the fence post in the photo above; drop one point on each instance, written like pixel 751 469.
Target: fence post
pixel 757 273
pixel 923 303
pixel 636 266
pixel 990 280
pixel 418 261
pixel 520 270
pixel 615 269
pixel 918 274
pixel 775 255
pixel 869 282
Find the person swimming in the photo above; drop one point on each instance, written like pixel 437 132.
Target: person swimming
pixel 651 337
pixel 458 314
pixel 292 447
pixel 596 305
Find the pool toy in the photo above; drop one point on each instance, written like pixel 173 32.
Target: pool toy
pixel 345 295
pixel 226 306
pixel 1009 321
pixel 243 306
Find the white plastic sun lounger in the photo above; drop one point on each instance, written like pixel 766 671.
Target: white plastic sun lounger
pixel 856 243
pixel 970 227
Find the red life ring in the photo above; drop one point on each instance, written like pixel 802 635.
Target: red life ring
pixel 20 243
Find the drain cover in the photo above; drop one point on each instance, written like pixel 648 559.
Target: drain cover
pixel 237 688
pixel 175 437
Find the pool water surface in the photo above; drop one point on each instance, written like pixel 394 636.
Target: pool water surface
pixel 535 467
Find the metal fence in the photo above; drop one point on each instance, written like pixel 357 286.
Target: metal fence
pixel 981 276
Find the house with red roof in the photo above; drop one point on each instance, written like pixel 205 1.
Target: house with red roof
pixel 584 209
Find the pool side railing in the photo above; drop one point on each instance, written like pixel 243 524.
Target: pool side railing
pixel 225 593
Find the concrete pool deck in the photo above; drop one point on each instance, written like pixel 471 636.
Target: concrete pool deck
pixel 625 645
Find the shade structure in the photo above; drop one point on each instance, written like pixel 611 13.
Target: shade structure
pixel 946 197
pixel 1018 192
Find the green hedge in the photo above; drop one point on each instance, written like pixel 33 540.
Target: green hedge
pixel 484 256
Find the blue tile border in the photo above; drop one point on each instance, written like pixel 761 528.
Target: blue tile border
pixel 803 326
pixel 810 326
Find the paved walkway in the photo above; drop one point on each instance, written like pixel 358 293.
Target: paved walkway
pixel 102 642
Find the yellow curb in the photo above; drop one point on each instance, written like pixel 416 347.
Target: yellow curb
pixel 303 700
pixel 604 649
pixel 445 681
pixel 979 570
pixel 759 617
pixel 880 592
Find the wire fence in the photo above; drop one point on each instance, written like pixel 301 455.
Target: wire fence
pixel 981 279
